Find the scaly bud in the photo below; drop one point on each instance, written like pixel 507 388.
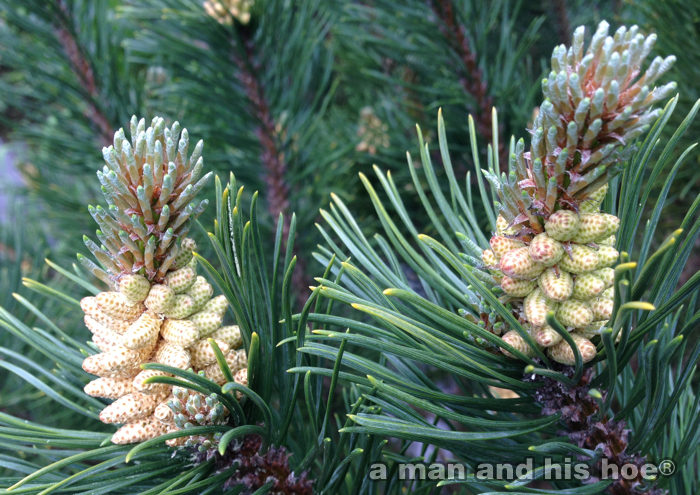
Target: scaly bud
pixel 180 332
pixel 160 298
pixel 574 313
pixel 545 250
pixel 517 288
pixel 592 227
pixel 206 322
pixel 500 245
pixel 489 258
pixel 218 305
pixel 519 265
pixel 229 334
pixel 562 225
pixel 582 260
pixel 200 292
pixel 143 332
pixel 203 354
pixel 601 309
pixel 562 352
pixel 555 286
pixel 546 336
pixel 536 308
pixel 588 285
pixel 109 388
pixel 139 431
pixel 181 280
pixel 173 355
pixel 116 305
pixel 514 339
pixel 607 256
pixel 607 275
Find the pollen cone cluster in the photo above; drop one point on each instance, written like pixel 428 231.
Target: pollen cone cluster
pixel 159 310
pixel 187 409
pixel 554 247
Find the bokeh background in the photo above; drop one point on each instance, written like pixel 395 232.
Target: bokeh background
pixel 295 97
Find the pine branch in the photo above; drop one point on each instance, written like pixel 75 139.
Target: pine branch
pixel 271 156
pixel 472 76
pixel 82 68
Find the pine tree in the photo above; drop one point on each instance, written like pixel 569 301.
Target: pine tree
pixel 517 325
pixel 469 319
pixel 162 355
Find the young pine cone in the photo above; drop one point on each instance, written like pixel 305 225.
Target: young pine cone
pixel 159 310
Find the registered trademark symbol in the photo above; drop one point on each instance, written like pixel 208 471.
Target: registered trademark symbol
pixel 667 467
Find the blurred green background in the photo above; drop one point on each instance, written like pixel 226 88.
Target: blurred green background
pixel 296 99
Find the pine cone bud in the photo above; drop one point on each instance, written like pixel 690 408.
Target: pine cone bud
pixel 502 226
pixel 181 280
pixel 607 275
pixel 109 388
pixel 139 431
pixel 607 256
pixel 517 288
pixel 92 309
pixel 562 225
pixel 200 292
pixel 544 249
pixel 129 408
pixel 117 306
pixel 229 334
pixel 587 286
pixel 582 260
pixel 593 226
pixel 536 307
pixel 562 352
pixel 173 355
pixel 160 299
pixel 241 378
pixel 519 265
pixel 218 305
pixel 143 332
pixel 489 258
pixel 206 323
pixel 164 413
pixel 608 241
pixel 555 286
pixel 120 362
pixel 180 332
pixel 104 333
pixel 184 254
pixel 601 309
pixel 574 313
pixel 514 339
pixel 546 336
pixel 150 388
pixel 134 287
pixel 592 203
pixel 236 361
pixel 183 306
pixel 203 354
pixel 500 245
pixel 612 226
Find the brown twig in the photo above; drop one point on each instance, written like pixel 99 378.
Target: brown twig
pixel 83 71
pixel 472 77
pixel 271 156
